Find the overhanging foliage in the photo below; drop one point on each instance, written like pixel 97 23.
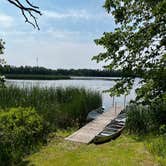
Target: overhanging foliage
pixel 137 46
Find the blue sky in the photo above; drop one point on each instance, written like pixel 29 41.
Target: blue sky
pixel 66 39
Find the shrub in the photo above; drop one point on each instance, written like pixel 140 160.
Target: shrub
pixel 21 131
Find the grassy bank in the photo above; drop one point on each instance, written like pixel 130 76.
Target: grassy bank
pixel 36 77
pixel 124 151
pixel 157 146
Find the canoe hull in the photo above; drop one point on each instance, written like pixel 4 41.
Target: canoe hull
pixel 112 130
pixel 103 138
pixel 94 114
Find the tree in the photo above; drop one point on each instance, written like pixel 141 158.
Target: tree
pixel 28 10
pixel 137 46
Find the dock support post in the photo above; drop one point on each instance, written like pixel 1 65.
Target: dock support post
pixel 124 101
pixel 113 101
pixel 115 107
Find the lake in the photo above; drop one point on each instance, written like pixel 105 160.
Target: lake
pixel 99 84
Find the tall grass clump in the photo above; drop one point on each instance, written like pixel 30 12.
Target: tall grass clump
pixel 146 119
pixel 59 107
pixel 138 119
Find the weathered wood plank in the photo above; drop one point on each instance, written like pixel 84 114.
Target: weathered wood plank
pixel 87 133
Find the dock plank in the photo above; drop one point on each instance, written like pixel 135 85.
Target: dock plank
pixel 87 133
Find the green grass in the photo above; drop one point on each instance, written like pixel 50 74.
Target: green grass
pixel 124 151
pixel 157 146
pixel 36 77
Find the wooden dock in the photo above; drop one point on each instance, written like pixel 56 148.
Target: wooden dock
pixel 88 132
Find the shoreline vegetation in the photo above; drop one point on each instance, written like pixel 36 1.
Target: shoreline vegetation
pixel 29 115
pixel 61 107
pixel 33 117
pixel 41 73
pixel 34 72
pixel 36 77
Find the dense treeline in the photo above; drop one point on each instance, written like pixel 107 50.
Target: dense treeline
pixel 59 72
pixel 36 77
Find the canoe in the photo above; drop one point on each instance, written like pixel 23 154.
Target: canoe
pixel 112 130
pixel 106 136
pixel 94 114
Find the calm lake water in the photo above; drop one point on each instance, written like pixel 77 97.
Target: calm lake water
pixel 93 84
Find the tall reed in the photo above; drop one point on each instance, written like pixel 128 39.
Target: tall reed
pixel 60 107
pixel 143 119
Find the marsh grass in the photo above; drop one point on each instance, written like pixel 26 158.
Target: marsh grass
pixel 138 119
pixel 143 119
pixel 59 107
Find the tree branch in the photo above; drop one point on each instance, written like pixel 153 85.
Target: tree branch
pixel 30 10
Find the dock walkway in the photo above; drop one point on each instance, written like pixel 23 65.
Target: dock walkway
pixel 88 132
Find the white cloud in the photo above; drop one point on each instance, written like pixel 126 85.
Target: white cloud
pixel 50 34
pixel 67 14
pixel 5 20
pixel 77 14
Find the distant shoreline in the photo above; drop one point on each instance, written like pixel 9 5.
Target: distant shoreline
pixel 95 78
pixel 35 77
pixel 56 77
